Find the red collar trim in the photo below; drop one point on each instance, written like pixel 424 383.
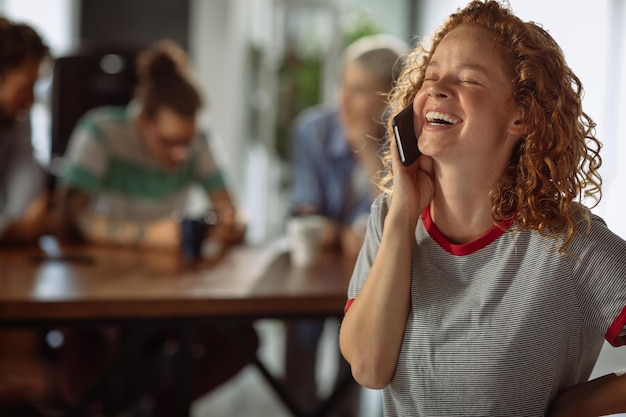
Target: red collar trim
pixel 612 335
pixel 466 248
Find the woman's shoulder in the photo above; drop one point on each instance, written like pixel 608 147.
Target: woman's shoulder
pixel 593 235
pixel 382 202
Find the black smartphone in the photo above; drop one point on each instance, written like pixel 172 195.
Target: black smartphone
pixel 404 133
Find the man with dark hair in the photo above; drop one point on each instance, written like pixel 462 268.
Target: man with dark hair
pixel 22 179
pixel 25 377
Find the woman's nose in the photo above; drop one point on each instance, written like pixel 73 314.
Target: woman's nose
pixel 438 89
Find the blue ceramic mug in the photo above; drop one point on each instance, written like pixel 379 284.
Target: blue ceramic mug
pixel 193 233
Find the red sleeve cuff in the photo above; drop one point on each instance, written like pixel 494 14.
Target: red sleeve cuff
pixel 348 304
pixel 612 335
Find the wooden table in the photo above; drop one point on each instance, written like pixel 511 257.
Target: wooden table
pixel 127 285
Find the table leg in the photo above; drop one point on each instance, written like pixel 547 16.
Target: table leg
pixel 324 408
pixel 122 360
pixel 278 388
pixel 186 370
pixel 329 404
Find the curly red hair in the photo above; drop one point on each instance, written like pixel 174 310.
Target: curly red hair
pixel 555 165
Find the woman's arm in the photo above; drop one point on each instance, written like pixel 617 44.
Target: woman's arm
pixel 599 397
pixel 373 328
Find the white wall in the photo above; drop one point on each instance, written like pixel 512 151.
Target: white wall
pixel 218 47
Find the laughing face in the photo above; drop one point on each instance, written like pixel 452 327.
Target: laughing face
pixel 465 108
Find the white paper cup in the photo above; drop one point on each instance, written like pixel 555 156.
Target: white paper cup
pixel 304 234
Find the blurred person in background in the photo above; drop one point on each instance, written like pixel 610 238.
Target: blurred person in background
pixel 127 174
pixel 23 196
pixel 24 376
pixel 336 154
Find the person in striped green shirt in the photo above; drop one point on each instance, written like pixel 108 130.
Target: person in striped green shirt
pixel 128 169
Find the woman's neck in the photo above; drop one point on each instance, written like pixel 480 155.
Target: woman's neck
pixel 461 206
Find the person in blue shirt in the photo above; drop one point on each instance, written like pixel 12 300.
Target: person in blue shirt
pixel 335 147
pixel 335 156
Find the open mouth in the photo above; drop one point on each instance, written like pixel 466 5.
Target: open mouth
pixel 441 119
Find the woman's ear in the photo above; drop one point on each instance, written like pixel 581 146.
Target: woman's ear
pixel 518 126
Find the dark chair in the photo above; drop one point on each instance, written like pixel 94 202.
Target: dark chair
pixel 93 76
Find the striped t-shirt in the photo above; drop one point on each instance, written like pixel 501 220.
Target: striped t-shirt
pixel 107 158
pixel 498 326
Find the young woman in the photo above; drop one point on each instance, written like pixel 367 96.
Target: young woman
pixel 484 286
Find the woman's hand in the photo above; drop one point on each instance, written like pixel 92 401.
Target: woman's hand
pixel 413 186
pixel 599 397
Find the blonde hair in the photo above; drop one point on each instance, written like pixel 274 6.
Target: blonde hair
pixel 555 164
